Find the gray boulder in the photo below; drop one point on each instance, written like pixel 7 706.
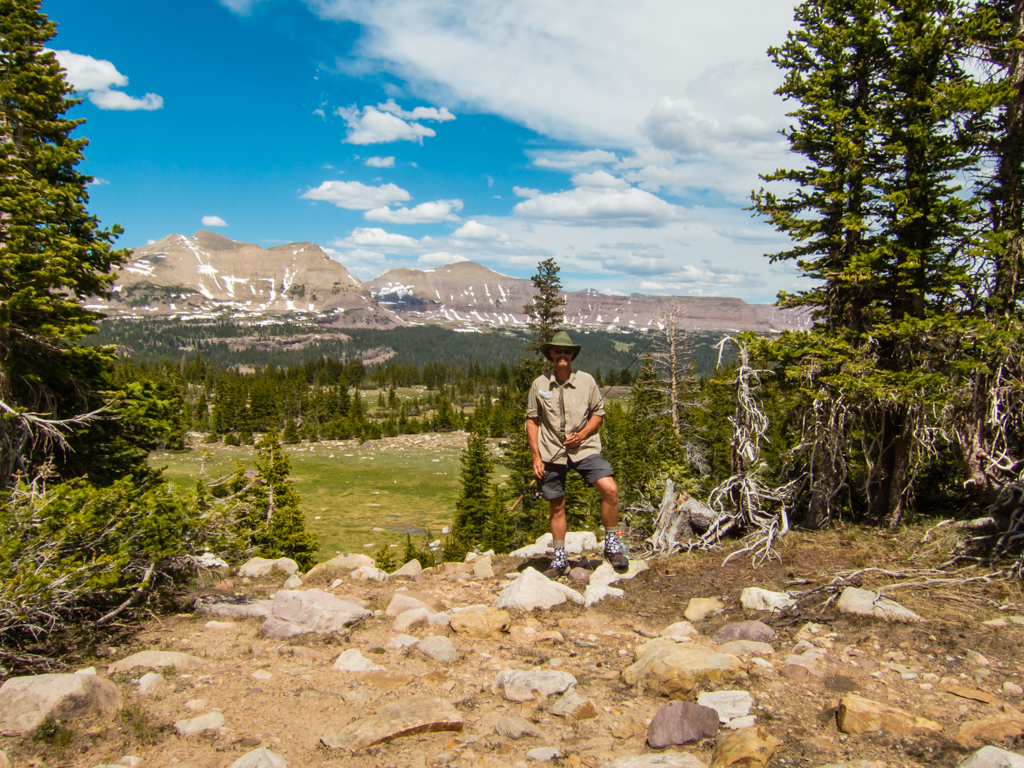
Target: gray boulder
pixel 27 702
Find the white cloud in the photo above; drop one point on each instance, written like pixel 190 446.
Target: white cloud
pixel 356 196
pixel 440 258
pixel 600 200
pixel 474 230
pixel 241 7
pixel 97 78
pixel 601 179
pixel 525 192
pixel 214 221
pixel 388 122
pixel 375 237
pixel 122 102
pixel 424 213
pixel 566 160
pixel 614 62
pixel 88 74
pixel 441 115
pixel 380 162
pixel 97 182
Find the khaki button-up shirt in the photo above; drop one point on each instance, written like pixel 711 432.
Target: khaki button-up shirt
pixel 582 400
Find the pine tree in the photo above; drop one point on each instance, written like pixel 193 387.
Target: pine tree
pixel 53 254
pixel 889 124
pixel 546 312
pixel 473 504
pixel 273 523
pixel 290 436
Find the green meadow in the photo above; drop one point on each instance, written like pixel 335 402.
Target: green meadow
pixel 397 485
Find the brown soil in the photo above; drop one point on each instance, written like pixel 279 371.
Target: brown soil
pixel 305 699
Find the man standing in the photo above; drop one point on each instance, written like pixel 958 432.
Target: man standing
pixel 563 416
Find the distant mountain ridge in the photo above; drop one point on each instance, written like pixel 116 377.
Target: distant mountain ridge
pixel 471 294
pixel 209 276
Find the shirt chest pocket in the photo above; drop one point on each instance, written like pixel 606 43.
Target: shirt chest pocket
pixel 550 406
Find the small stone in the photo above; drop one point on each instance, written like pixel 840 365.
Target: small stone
pixel 515 728
pixel 670 669
pixel 401 718
pixel 700 608
pixel 808 631
pixel 195 705
pixel 27 702
pixel 794 672
pixel 521 685
pixel 217 626
pixel 543 754
pixel 680 629
pixel 572 704
pixel 995 728
pixel 211 721
pixel 292 582
pixel 258 567
pixel 681 722
pixel 403 601
pixel 755 631
pixel 1012 689
pixel 739 723
pixel 533 590
pixel 261 674
pixel 130 760
pixel 410 570
pixel 152 684
pixel 182 662
pixel 859 715
pixel 580 574
pixel 973 657
pixel 483 569
pixel 746 648
pixel 728 704
pixel 749 748
pixel 864 602
pixel 479 621
pixel 757 599
pixel 353 660
pixel 438 648
pixel 417 617
pixel 398 642
pixel 605 575
pixel 260 758
pixel 993 757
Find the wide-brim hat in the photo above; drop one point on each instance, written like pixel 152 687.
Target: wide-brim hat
pixel 561 339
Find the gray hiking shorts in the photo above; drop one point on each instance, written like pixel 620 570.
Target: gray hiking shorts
pixel 592 469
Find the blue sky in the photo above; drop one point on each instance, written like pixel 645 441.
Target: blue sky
pixel 621 139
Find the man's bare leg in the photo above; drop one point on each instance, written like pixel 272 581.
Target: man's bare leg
pixel 614 552
pixel 559 561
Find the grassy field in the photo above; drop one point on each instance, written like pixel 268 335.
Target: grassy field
pixel 354 496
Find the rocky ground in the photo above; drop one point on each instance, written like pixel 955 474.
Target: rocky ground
pixel 686 667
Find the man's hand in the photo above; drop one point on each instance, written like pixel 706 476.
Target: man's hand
pixel 573 440
pixel 538 468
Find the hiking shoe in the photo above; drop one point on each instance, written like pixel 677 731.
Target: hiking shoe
pixel 559 565
pixel 615 553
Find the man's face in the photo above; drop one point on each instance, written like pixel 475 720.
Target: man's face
pixel 561 354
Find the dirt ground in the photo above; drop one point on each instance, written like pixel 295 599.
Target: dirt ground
pixel 305 698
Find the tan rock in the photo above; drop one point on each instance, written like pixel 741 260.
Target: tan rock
pixel 680 629
pixel 701 607
pixel 748 748
pixel 479 621
pixel 405 600
pixel 410 570
pixel 995 728
pixel 483 569
pixel 347 562
pixel 747 648
pixel 258 567
pixel 860 715
pixel 572 704
pixel 674 670
pixel 320 569
pixel 449 569
pixel 27 702
pixel 182 662
pixel 402 718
